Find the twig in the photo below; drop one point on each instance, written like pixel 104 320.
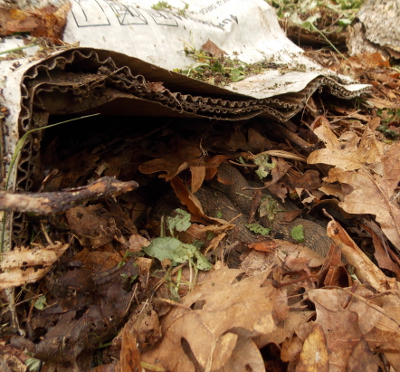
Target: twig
pixel 48 203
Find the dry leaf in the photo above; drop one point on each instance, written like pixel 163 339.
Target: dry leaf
pixel 305 200
pixel 220 304
pixel 93 226
pixel 382 256
pixel 211 48
pixel 97 261
pixel 130 355
pixel 257 142
pixel 333 272
pixel 214 243
pixel 137 242
pixel 156 87
pixel 198 175
pixel 279 190
pixel 298 250
pixel 314 355
pixel 384 334
pixel 348 152
pixel 277 172
pixel 309 180
pixel 265 246
pixel 193 204
pixel 181 155
pixel 363 359
pixel 373 195
pixel 188 198
pixel 19 264
pixel 49 20
pixel 365 269
pixel 371 174
pixel 292 215
pixel 212 165
pixel 237 139
pixel 291 348
pixel 340 327
pixel 332 189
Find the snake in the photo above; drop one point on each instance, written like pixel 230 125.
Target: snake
pixel 234 198
pixel 232 201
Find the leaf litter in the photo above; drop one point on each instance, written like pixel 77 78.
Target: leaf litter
pixel 143 287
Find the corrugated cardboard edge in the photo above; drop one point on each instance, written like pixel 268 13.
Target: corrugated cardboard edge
pixel 80 80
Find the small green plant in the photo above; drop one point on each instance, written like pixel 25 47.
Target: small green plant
pixel 264 166
pixel 18 49
pixel 40 303
pixel 349 4
pixel 182 11
pixel 258 229
pixel 322 16
pixel 219 71
pixel 128 254
pixel 390 119
pixel 342 9
pixel 389 115
pixel 389 133
pixel 297 233
pixel 33 364
pixel 181 222
pixel 171 248
pixel 161 5
pixel 127 281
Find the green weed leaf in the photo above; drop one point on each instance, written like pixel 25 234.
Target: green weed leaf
pixel 258 229
pixel 33 364
pixel 40 303
pixel 181 222
pixel 264 166
pixel 344 22
pixel 177 252
pixel 297 233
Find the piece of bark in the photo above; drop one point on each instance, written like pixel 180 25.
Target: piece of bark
pixel 48 203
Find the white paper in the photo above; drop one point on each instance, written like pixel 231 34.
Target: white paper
pixel 244 29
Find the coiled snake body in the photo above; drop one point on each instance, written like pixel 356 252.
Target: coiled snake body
pixel 234 199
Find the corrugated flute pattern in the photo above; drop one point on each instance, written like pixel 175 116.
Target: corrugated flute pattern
pixel 83 80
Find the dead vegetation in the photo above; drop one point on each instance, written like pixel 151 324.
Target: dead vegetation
pixel 123 280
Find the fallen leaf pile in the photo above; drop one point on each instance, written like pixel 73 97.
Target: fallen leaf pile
pixel 372 171
pixel 142 278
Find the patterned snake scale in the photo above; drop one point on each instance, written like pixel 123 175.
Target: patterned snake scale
pixel 234 199
pixel 233 202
